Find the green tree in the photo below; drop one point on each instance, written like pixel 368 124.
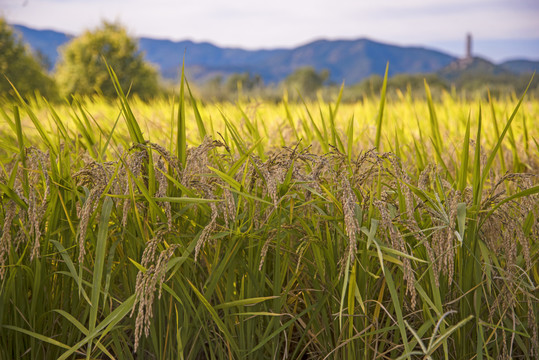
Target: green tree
pixel 82 67
pixel 243 81
pixel 416 82
pixel 20 66
pixel 306 80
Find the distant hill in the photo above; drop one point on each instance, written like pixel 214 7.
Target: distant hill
pixel 462 70
pixel 471 67
pixel 205 60
pixel 348 60
pixel 45 42
pixel 521 66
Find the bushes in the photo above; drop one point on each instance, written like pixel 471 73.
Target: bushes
pixel 82 68
pixel 21 68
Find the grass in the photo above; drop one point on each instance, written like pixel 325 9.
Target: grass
pixel 396 228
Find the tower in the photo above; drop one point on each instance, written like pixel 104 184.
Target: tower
pixel 468 46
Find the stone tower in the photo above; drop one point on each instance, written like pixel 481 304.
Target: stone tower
pixel 468 46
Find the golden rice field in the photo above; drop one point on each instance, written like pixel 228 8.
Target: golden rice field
pixel 395 228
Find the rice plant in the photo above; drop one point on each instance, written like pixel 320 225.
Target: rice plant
pixel 396 228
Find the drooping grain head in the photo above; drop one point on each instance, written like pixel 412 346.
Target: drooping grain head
pixel 95 176
pixel 397 242
pixel 198 161
pixel 208 230
pixel 264 251
pixel 5 240
pixel 350 221
pixel 37 163
pixel 270 180
pixel 147 283
pixel 162 189
pixel 228 207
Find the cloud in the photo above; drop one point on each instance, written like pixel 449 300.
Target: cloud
pixel 256 23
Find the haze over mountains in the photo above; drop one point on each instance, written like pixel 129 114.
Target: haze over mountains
pixel 348 60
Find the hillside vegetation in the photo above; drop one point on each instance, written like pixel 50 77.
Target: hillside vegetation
pixel 149 68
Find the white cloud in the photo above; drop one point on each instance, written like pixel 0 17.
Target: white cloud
pixel 262 23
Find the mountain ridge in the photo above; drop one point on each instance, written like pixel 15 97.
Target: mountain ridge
pixel 349 60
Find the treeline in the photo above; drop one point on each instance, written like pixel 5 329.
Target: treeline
pixel 83 70
pixel 306 83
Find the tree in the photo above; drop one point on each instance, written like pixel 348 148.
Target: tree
pixel 369 86
pixel 306 80
pixel 18 65
pixel 82 68
pixel 244 81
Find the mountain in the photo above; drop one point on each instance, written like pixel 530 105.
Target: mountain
pixel 350 60
pixel 521 66
pixel 45 42
pixel 475 70
pixel 473 66
pixel 203 59
pixel 346 60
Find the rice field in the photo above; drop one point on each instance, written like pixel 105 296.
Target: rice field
pixel 392 228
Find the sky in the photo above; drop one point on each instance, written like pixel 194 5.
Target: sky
pixel 501 29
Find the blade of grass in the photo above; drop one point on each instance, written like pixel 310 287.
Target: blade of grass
pixel 494 151
pixel 230 340
pixel 132 124
pixel 181 136
pixel 463 169
pixel 398 310
pixel 35 120
pixel 380 115
pixel 37 336
pixel 22 150
pixel 104 326
pixel 99 264
pixel 202 133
